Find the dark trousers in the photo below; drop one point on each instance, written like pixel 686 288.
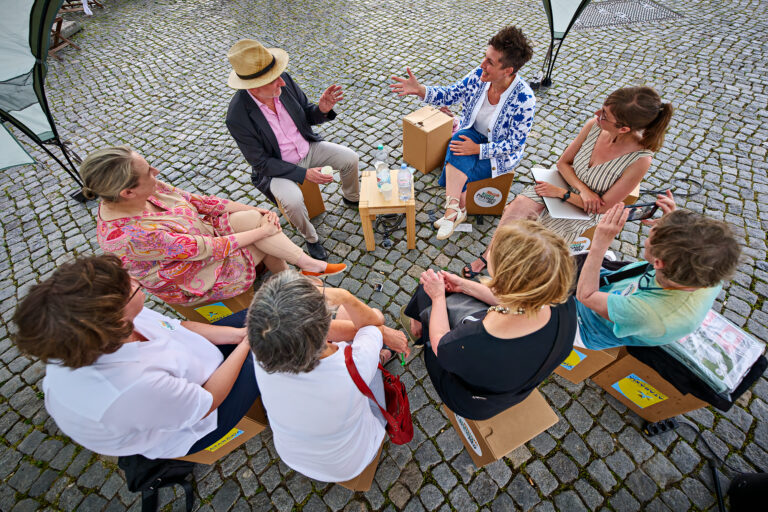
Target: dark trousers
pixel 244 392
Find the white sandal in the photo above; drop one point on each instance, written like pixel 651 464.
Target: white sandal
pixel 445 225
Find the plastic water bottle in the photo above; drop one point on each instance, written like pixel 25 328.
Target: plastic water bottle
pixel 381 164
pixel 404 182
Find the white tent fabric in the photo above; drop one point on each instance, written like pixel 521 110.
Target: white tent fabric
pixel 17 62
pixel 563 12
pixel 11 152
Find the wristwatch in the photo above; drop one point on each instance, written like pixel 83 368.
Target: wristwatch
pixel 566 196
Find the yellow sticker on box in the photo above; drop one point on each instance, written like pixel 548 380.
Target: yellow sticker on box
pixel 235 432
pixel 639 392
pixel 214 312
pixel 574 358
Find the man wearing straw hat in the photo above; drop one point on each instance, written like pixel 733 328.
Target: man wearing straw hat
pixel 270 118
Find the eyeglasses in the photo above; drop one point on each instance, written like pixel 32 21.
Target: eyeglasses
pixel 602 117
pixel 138 287
pixel 645 280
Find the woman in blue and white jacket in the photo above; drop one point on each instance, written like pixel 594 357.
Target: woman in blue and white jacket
pixel 497 116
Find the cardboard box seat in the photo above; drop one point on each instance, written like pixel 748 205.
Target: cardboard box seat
pixel 254 422
pixel 582 362
pixel 214 311
pixel 489 196
pixel 363 481
pixel 490 440
pixel 313 200
pixel 643 390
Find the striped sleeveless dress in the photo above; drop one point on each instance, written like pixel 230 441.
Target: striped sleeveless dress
pixel 598 178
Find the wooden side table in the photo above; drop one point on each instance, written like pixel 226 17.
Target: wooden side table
pixel 372 203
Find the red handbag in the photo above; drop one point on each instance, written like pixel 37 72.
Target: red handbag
pixel 398 411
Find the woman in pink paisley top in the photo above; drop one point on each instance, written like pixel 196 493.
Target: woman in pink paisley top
pixel 184 248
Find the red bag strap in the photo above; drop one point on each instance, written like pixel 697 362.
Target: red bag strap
pixel 361 385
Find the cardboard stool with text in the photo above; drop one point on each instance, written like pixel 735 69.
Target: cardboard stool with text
pixel 490 440
pixel 254 421
pixel 643 390
pixel 582 363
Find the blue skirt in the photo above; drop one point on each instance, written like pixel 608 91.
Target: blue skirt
pixel 475 168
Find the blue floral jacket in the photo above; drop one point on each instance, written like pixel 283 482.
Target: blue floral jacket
pixel 511 120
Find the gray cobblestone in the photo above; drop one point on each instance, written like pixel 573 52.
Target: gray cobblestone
pixel 523 493
pixel 570 501
pixel 661 470
pixel 717 136
pixel 601 474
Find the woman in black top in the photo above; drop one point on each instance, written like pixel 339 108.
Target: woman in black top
pixel 496 356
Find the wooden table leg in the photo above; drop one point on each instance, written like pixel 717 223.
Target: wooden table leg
pixel 365 220
pixel 410 222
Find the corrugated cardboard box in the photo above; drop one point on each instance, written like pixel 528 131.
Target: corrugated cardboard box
pixel 643 390
pixel 363 481
pixel 254 421
pixel 489 440
pixel 215 311
pixel 582 363
pixel 426 133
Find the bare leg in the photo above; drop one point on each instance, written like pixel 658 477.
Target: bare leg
pixel 463 200
pixel 415 328
pixel 454 182
pixel 520 208
pixel 274 264
pixel 307 262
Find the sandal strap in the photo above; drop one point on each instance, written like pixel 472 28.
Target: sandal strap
pixel 452 203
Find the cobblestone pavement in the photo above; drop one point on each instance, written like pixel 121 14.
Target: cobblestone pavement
pixel 152 74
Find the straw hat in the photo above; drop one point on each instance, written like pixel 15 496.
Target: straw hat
pixel 253 65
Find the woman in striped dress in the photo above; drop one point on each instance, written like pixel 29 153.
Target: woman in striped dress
pixel 602 166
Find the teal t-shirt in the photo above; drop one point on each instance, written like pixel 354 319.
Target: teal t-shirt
pixel 641 316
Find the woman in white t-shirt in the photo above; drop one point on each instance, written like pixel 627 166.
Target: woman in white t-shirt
pixel 124 380
pixel 323 426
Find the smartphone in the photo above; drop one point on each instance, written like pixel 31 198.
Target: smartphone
pixel 641 211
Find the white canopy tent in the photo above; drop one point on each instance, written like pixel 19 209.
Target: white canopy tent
pixel 25 29
pixel 561 15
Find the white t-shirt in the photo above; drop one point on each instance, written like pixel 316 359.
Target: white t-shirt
pixel 484 115
pixel 146 398
pixel 323 426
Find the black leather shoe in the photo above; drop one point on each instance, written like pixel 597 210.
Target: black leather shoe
pixel 348 202
pixel 316 250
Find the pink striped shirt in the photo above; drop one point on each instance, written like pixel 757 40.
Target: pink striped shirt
pixel 293 147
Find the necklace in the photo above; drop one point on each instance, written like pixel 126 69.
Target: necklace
pixel 504 310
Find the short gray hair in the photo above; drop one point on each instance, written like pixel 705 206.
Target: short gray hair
pixel 288 323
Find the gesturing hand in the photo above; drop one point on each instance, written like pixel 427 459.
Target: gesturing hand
pixel 433 283
pixel 330 97
pixel 406 86
pixel 610 225
pixel 666 202
pixel 463 147
pixel 315 176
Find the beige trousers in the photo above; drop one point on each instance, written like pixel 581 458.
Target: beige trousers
pixel 288 193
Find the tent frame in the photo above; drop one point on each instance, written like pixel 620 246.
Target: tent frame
pixel 39 39
pixel 549 60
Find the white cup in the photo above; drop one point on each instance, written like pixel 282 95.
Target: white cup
pixel 386 191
